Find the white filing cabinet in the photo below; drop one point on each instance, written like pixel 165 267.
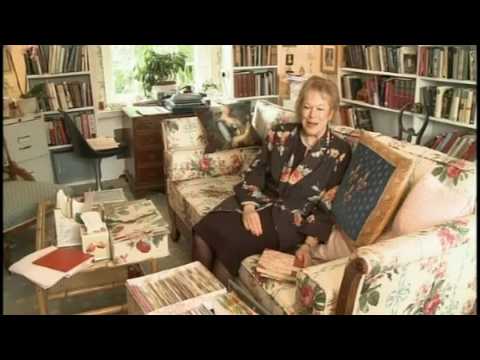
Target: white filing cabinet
pixel 26 139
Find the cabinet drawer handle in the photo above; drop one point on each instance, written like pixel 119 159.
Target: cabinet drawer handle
pixel 25 147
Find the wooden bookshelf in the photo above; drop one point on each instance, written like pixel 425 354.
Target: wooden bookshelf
pixel 48 66
pixel 85 108
pixel 58 75
pixel 235 64
pixel 385 113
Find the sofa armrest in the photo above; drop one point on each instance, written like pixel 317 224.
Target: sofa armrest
pixel 428 272
pixel 192 164
pixel 318 287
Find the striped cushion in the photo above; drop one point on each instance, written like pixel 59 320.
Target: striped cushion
pixel 21 198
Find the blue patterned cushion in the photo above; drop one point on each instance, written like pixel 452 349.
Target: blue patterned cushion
pixel 373 185
pixel 21 198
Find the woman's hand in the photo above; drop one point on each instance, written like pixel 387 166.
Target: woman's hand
pixel 303 257
pixel 251 220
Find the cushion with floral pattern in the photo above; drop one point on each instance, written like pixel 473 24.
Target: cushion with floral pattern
pixel 228 126
pixel 371 190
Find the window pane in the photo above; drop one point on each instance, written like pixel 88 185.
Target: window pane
pixel 126 57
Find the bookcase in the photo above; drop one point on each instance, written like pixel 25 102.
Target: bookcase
pixel 62 72
pixel 250 72
pixel 384 78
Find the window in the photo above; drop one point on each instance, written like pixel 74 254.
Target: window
pixel 119 63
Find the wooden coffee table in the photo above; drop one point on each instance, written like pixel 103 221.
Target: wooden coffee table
pixel 102 275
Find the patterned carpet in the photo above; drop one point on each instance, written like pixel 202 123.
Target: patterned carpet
pixel 19 294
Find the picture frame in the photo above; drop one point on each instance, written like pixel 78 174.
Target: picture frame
pixel 329 56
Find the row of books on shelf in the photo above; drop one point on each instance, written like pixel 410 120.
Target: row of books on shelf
pixel 65 95
pixel 57 134
pixel 457 145
pixel 452 103
pixel 448 62
pixel 382 91
pixel 255 83
pixel 356 117
pixel 54 59
pixel 254 55
pixel 395 59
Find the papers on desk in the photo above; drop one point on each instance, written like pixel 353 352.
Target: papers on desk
pixel 151 110
pixel 102 143
pixel 41 275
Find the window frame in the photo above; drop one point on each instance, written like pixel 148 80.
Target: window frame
pixel 110 97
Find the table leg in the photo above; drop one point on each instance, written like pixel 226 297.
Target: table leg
pixel 154 266
pixel 42 300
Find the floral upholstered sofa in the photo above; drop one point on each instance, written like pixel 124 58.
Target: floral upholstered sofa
pixel 428 271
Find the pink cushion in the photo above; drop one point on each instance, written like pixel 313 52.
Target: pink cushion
pixel 430 203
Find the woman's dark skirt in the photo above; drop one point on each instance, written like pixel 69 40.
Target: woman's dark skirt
pixel 230 242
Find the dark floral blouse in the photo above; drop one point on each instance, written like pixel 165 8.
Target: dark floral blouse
pixel 301 195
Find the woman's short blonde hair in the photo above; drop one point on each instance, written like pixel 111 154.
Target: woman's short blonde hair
pixel 323 86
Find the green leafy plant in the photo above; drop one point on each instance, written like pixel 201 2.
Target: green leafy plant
pixel 209 85
pixel 38 91
pixel 159 69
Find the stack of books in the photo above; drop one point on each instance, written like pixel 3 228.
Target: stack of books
pixel 277 266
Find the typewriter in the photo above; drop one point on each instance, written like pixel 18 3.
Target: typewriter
pixel 186 103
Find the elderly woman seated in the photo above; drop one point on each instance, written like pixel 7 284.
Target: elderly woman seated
pixel 276 206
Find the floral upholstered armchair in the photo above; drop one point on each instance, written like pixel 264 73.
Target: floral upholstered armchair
pixel 427 270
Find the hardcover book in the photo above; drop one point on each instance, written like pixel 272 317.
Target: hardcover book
pixel 63 259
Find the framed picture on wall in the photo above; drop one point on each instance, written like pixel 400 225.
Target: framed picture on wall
pixel 329 59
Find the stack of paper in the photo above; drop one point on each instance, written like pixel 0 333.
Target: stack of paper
pixel 175 291
pixel 44 276
pixel 277 265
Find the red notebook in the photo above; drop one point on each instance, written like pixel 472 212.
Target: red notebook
pixel 63 259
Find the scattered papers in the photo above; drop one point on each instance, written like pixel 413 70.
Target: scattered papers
pixel 102 143
pixel 62 203
pixel 277 265
pixel 151 110
pixel 43 276
pixel 105 196
pixel 93 221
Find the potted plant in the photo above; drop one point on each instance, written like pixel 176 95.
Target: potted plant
pixel 210 89
pixel 158 72
pixel 28 102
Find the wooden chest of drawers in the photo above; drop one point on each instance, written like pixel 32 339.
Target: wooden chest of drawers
pixel 144 162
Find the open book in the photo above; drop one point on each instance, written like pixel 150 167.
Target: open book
pixel 277 265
